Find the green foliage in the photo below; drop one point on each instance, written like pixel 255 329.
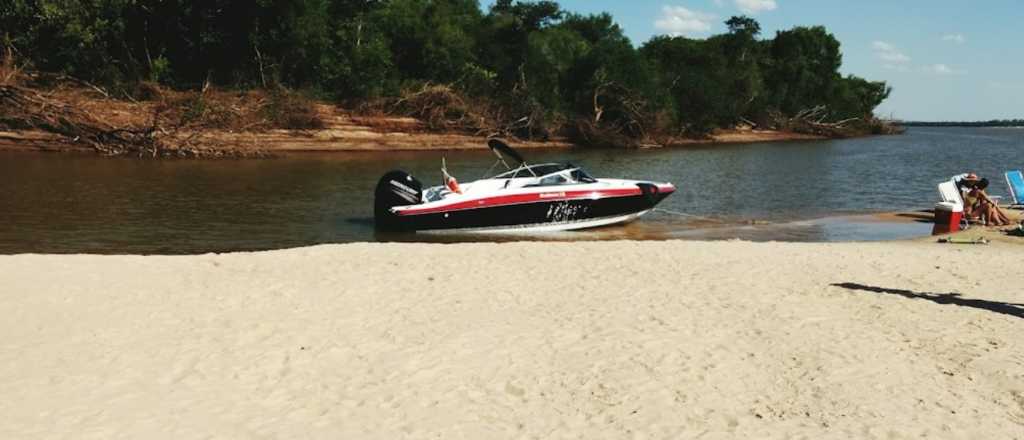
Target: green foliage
pixel 477 80
pixel 801 69
pixel 530 58
pixel 429 40
pixel 743 25
pixel 551 55
pixel 696 78
pixel 160 68
pixel 528 16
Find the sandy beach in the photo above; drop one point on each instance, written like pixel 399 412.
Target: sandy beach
pixel 522 340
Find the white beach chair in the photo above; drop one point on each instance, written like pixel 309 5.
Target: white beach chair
pixel 951 194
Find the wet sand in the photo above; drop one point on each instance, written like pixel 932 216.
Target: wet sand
pixel 973 232
pixel 521 340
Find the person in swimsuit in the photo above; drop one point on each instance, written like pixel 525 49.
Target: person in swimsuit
pixel 965 183
pixel 983 206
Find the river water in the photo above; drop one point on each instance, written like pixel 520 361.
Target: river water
pixel 794 191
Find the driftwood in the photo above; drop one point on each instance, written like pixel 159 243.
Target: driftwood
pixel 812 121
pixel 442 108
pixel 617 118
pixel 161 136
pixel 178 124
pixel 25 108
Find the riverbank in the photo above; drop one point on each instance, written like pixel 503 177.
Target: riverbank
pixel 255 123
pixel 595 340
pixel 360 134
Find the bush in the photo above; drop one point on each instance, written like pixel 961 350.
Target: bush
pixel 289 110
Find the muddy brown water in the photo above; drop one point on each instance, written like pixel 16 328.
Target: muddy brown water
pixel 790 191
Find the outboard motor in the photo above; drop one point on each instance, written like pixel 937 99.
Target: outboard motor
pixel 396 188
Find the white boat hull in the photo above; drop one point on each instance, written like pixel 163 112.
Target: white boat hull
pixel 546 227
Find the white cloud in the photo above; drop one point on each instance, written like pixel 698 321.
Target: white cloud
pixel 883 46
pixel 942 69
pixel 677 20
pixel 889 53
pixel 894 59
pixel 755 6
pixel 956 38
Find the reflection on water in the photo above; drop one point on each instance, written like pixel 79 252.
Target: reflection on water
pixel 79 203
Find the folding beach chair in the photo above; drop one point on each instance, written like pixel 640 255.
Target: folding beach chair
pixel 1016 182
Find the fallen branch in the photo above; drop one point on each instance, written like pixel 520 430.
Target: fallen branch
pixel 812 121
pixel 24 108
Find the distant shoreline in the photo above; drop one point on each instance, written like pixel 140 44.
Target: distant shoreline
pixel 979 124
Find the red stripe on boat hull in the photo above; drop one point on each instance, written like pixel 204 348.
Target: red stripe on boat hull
pixel 514 199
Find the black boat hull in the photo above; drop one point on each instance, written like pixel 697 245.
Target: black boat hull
pixel 555 214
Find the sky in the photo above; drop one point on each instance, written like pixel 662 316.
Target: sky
pixel 947 60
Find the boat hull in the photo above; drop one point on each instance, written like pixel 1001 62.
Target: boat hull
pixel 546 227
pixel 553 215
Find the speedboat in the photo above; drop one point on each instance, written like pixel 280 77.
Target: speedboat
pixel 525 197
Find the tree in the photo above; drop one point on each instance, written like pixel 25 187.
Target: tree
pixel 743 25
pixel 505 34
pixel 430 40
pixel 529 16
pixel 857 97
pixel 802 70
pixel 696 76
pixel 521 58
pixel 745 82
pixel 552 54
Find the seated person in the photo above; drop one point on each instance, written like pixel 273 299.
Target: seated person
pixel 965 182
pixel 978 204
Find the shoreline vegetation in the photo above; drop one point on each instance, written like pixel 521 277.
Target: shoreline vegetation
pixel 223 79
pixel 335 130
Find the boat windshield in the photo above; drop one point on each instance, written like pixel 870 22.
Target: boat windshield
pixel 550 174
pixel 563 175
pixel 581 176
pixel 537 170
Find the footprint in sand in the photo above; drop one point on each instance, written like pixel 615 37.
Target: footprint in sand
pixel 514 390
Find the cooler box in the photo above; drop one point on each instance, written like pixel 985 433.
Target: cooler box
pixel 947 218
